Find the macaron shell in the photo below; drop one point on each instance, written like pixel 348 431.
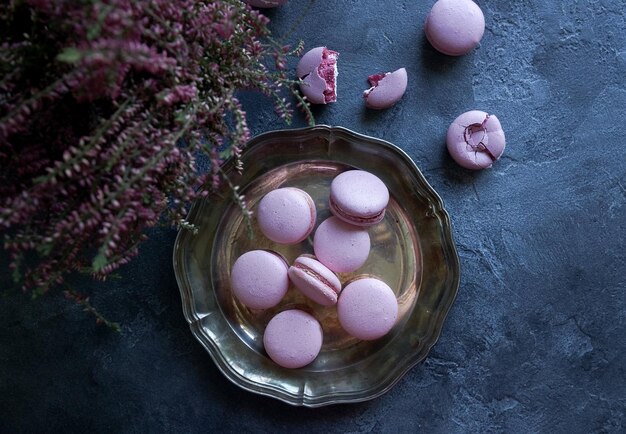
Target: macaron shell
pixel 367 309
pixel 310 61
pixel 259 279
pixel 312 288
pixel 286 215
pixel 497 139
pixel 388 91
pixel 359 195
pixel 315 280
pixel 293 338
pixel 313 85
pixel 455 27
pixel 340 246
pixel 479 147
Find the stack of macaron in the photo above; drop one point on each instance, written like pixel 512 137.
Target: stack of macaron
pixel 367 308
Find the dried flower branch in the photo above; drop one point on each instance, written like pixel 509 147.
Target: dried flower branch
pixel 87 307
pixel 104 107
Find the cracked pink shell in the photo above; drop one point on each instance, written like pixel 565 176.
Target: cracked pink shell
pixel 455 27
pixel 475 140
pixel 358 197
pixel 367 309
pixel 293 338
pixel 386 89
pixel 315 280
pixel 340 246
pixel 318 72
pixel 259 279
pixel 286 215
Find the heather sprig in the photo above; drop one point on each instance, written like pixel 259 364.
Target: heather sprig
pixel 84 301
pixel 104 108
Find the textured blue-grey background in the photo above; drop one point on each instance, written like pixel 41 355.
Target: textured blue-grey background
pixel 536 339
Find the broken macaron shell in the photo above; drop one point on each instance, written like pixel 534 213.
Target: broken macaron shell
pixel 386 90
pixel 317 71
pixel 475 140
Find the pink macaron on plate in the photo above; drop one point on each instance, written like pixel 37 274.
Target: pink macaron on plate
pixel 411 251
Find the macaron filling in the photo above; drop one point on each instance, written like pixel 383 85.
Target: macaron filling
pixel 327 71
pixel 310 272
pixel 476 137
pixel 374 79
pixel 386 89
pixel 353 218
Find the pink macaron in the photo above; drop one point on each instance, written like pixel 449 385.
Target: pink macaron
pixel 318 72
pixel 358 197
pixel 286 215
pixel 293 338
pixel 367 309
pixel 455 27
pixel 340 246
pixel 475 140
pixel 315 280
pixel 386 89
pixel 259 279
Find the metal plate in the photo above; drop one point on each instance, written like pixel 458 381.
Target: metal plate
pixel 412 251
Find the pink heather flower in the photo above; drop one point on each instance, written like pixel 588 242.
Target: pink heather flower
pixel 98 136
pixel 181 93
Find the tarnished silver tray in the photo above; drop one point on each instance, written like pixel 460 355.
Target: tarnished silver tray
pixel 412 251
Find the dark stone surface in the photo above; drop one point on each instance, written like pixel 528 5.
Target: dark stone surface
pixel 535 341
